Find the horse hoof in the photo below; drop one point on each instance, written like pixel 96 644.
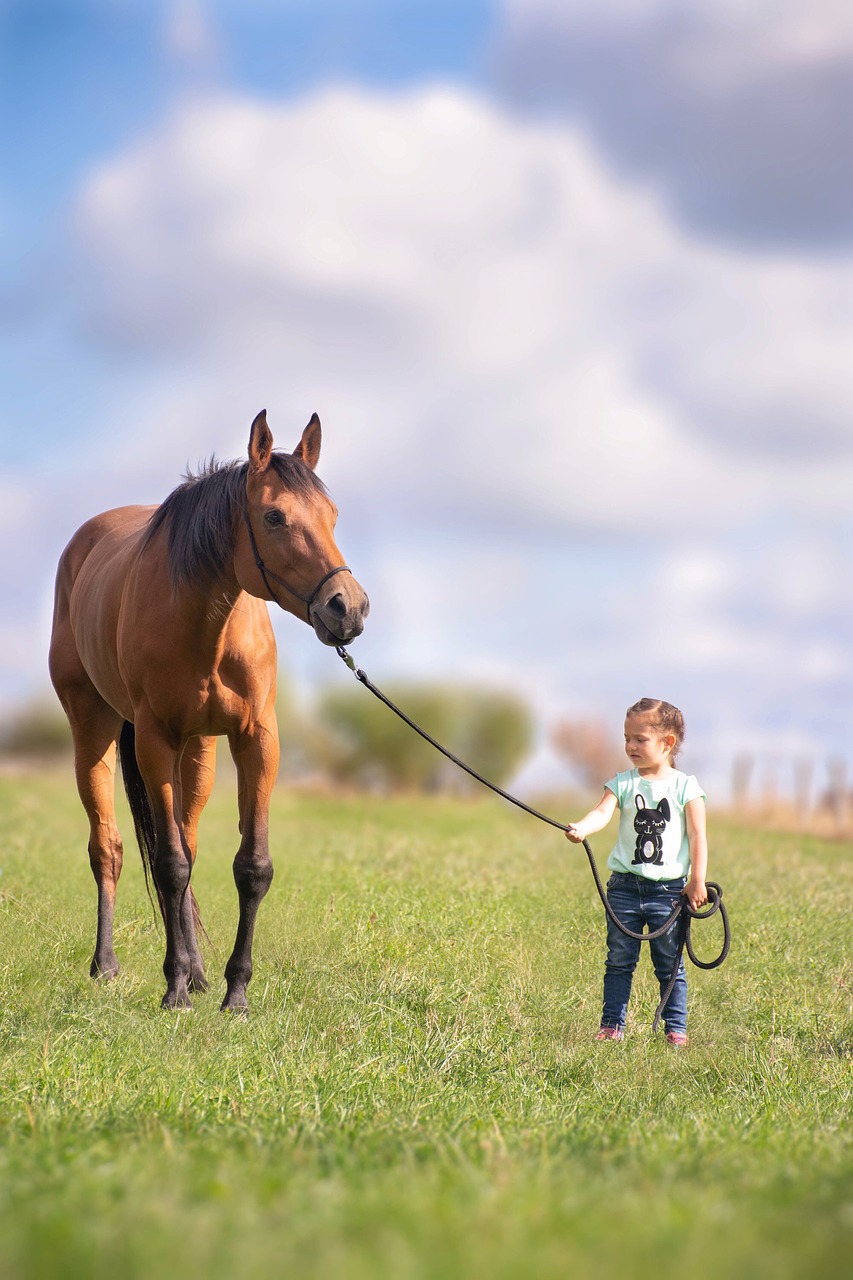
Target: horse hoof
pixel 199 983
pixel 104 972
pixel 176 1000
pixel 235 1004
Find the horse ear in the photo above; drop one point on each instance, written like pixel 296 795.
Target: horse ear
pixel 260 443
pixel 308 448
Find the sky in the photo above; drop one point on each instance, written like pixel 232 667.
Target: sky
pixel 568 282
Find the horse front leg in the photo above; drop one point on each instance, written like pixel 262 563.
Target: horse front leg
pixel 159 765
pixel 256 756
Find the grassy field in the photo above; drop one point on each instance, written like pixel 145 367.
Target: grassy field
pixel 417 1092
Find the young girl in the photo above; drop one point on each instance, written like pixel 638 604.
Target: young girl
pixel 661 852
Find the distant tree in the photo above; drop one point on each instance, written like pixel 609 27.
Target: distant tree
pixel 295 729
pixel 366 744
pixel 36 728
pixel 589 749
pixel 496 732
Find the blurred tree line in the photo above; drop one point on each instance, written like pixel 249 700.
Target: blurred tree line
pixel 350 738
pixel 590 751
pixel 345 736
pixel 37 728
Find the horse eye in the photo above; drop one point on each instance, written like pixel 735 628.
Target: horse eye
pixel 274 519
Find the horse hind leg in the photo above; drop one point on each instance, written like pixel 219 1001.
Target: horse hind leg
pixel 95 728
pixel 158 766
pixel 195 771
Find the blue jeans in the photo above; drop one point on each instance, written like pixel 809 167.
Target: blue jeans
pixel 639 902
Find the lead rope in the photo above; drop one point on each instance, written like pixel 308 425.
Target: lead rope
pixel 682 912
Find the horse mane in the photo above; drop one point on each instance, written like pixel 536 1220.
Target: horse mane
pixel 201 515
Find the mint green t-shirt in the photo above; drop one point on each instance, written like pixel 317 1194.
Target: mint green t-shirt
pixel 652 839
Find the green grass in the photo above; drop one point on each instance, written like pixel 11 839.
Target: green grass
pixel 417 1092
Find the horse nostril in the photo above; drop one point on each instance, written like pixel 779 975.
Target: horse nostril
pixel 337 606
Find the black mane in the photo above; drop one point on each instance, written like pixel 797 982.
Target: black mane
pixel 201 516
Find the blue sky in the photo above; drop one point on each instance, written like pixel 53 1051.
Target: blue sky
pixel 79 79
pixel 569 284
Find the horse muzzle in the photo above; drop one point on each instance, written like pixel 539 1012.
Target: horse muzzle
pixel 340 618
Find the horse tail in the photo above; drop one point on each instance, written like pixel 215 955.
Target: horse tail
pixel 143 818
pixel 140 805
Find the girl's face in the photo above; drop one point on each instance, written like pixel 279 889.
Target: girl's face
pixel 644 746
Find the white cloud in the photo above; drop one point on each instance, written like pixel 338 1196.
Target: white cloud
pixel 738 112
pixel 426 258
pixel 783 30
pixel 551 415
pixel 697 573
pixel 189 35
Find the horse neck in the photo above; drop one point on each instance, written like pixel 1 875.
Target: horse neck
pixel 210 607
pixel 203 608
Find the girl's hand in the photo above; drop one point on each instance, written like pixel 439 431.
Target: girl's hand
pixel 695 893
pixel 575 833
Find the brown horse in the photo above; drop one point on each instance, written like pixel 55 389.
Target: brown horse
pixel 162 641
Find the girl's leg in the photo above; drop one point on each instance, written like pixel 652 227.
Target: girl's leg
pixel 675 1011
pixel 622 953
pixel 664 951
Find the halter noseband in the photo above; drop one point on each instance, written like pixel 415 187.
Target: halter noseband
pixel 267 573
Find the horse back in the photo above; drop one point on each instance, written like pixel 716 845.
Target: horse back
pixel 111 529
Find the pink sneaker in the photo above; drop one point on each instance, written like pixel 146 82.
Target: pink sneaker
pixel 676 1038
pixel 610 1033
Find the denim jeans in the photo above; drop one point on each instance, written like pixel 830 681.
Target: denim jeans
pixel 639 902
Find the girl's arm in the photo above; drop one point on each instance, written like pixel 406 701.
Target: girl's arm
pixel 594 820
pixel 695 891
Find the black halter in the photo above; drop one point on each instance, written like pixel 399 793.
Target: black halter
pixel 267 573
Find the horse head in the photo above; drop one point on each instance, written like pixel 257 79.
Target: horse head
pixel 286 551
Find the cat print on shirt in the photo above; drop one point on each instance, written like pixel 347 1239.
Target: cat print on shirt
pixel 649 824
